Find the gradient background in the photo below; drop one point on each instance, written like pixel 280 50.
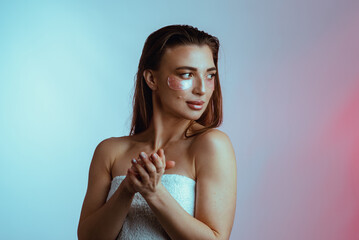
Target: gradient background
pixel 290 78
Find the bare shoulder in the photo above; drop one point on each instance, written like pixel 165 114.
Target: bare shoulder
pixel 212 136
pixel 213 145
pixel 99 178
pixel 216 175
pixel 103 158
pixel 112 144
pixel 111 148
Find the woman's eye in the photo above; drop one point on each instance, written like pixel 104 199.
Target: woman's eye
pixel 211 75
pixel 186 75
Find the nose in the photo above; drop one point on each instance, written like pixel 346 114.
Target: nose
pixel 199 86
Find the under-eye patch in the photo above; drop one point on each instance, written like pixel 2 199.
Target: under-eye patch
pixel 176 83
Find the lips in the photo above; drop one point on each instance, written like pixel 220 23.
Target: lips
pixel 195 102
pixel 195 105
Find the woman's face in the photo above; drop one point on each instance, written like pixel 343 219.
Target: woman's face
pixel 186 75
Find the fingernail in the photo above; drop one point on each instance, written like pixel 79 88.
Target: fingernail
pixel 133 161
pixel 143 154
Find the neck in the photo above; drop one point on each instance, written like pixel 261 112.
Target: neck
pixel 164 128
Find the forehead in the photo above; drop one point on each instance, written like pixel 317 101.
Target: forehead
pixel 188 55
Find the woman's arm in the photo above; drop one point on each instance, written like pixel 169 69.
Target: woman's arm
pixel 215 194
pixel 100 219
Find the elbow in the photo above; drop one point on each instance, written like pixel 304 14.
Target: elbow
pixel 216 234
pixel 84 234
pixel 219 236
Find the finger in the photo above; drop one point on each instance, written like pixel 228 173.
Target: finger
pixel 157 162
pixel 135 172
pixel 137 165
pixel 163 157
pixel 133 177
pixel 133 161
pixel 142 172
pixel 160 156
pixel 170 164
pixel 161 153
pixel 138 161
pixel 151 169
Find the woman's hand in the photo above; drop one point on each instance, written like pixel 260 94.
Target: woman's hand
pixel 145 174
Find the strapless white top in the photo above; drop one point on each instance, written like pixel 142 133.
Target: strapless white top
pixel 140 222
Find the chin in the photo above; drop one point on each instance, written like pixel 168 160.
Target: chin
pixel 194 116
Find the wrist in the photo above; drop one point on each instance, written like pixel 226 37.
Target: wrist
pixel 124 191
pixel 154 196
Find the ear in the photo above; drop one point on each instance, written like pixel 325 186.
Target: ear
pixel 150 79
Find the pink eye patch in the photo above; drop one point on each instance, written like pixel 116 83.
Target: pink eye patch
pixel 179 84
pixel 176 83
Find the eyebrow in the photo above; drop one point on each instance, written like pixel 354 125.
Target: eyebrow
pixel 195 69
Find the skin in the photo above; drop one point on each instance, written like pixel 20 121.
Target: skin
pixel 207 158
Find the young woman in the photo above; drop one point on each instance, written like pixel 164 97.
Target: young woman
pixel 174 176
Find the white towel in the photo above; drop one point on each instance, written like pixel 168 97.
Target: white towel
pixel 140 222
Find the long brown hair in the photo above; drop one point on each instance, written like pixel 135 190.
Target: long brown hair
pixel 153 50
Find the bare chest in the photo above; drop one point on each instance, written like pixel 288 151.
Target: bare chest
pixel 180 152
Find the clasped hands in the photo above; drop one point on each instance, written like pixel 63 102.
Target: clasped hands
pixel 145 174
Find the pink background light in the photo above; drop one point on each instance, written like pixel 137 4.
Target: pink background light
pixel 289 72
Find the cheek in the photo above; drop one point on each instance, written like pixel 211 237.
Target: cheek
pixel 178 84
pixel 210 84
